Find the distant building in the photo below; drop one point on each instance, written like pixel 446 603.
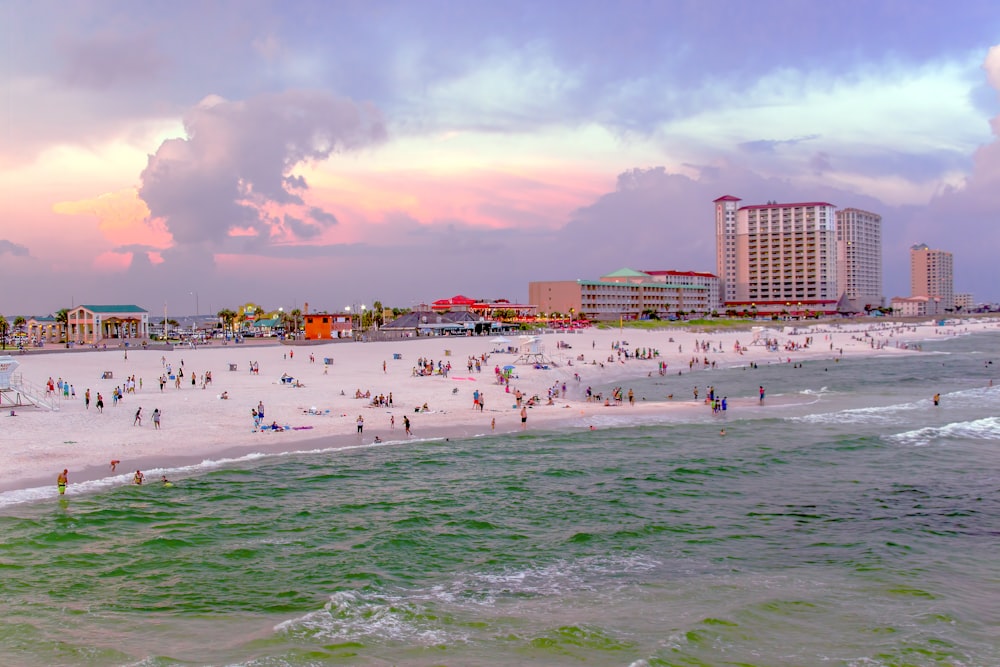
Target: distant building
pixel 916 306
pixel 486 309
pixel 964 301
pixel 859 258
pixel 932 275
pixel 91 324
pixel 627 294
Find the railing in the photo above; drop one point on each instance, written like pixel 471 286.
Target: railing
pixel 33 393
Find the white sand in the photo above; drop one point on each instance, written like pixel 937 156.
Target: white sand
pixel 197 425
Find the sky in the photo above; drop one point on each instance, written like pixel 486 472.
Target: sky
pixel 198 155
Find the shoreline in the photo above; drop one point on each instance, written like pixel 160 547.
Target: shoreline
pixel 199 427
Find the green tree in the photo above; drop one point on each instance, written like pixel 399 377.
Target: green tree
pixel 228 318
pixel 19 322
pixel 4 328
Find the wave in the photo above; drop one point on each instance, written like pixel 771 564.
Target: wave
pixel 423 615
pixel 978 429
pixel 34 494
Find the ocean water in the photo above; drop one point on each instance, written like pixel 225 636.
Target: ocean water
pixel 847 521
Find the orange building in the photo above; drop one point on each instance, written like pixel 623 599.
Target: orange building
pixel 327 326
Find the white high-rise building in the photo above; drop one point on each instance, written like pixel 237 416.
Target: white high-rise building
pixel 859 257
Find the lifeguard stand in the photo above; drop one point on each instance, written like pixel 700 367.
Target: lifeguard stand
pixel 15 392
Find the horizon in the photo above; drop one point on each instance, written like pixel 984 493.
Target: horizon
pixel 335 153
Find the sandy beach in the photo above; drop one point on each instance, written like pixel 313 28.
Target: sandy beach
pixel 318 407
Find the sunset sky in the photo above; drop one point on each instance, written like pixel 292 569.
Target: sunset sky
pixel 204 154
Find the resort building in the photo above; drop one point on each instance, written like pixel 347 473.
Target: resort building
pixel 45 329
pixel 777 258
pixel 859 258
pixel 501 308
pixel 628 294
pixel 94 324
pixel 932 276
pixel 915 306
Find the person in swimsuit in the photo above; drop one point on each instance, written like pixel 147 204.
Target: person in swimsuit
pixel 61 481
pixel 138 478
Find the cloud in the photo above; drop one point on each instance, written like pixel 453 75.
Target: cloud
pixel 13 249
pixel 104 61
pixel 237 159
pixel 771 145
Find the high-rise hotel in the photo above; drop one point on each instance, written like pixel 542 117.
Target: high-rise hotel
pixel 859 257
pixel 932 276
pixel 796 258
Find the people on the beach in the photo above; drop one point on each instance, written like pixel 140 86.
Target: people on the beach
pixel 138 417
pixel 114 464
pixel 166 482
pixel 156 418
pixel 138 478
pixel 62 480
pixel 760 391
pixel 406 425
pixel 361 424
pixel 937 399
pixel 524 418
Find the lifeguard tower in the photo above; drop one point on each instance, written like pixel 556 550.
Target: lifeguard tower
pixel 533 352
pixel 14 392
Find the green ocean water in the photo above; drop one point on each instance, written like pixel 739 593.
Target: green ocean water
pixel 846 522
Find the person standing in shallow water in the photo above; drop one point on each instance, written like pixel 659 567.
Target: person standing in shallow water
pixel 937 399
pixel 62 480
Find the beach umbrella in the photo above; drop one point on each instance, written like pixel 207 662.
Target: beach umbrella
pixel 508 367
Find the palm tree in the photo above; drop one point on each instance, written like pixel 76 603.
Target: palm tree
pixel 296 314
pixel 228 317
pixel 378 313
pixel 4 328
pixel 62 319
pixel 19 322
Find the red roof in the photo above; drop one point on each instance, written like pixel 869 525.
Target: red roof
pixel 797 205
pixel 681 273
pixel 726 198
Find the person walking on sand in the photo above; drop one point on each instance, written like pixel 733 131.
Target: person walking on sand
pixel 760 391
pixel 524 418
pixel 361 424
pixel 156 418
pixel 406 425
pixel 86 398
pixel 61 481
pixel 138 417
pixel 100 403
pixel 392 422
